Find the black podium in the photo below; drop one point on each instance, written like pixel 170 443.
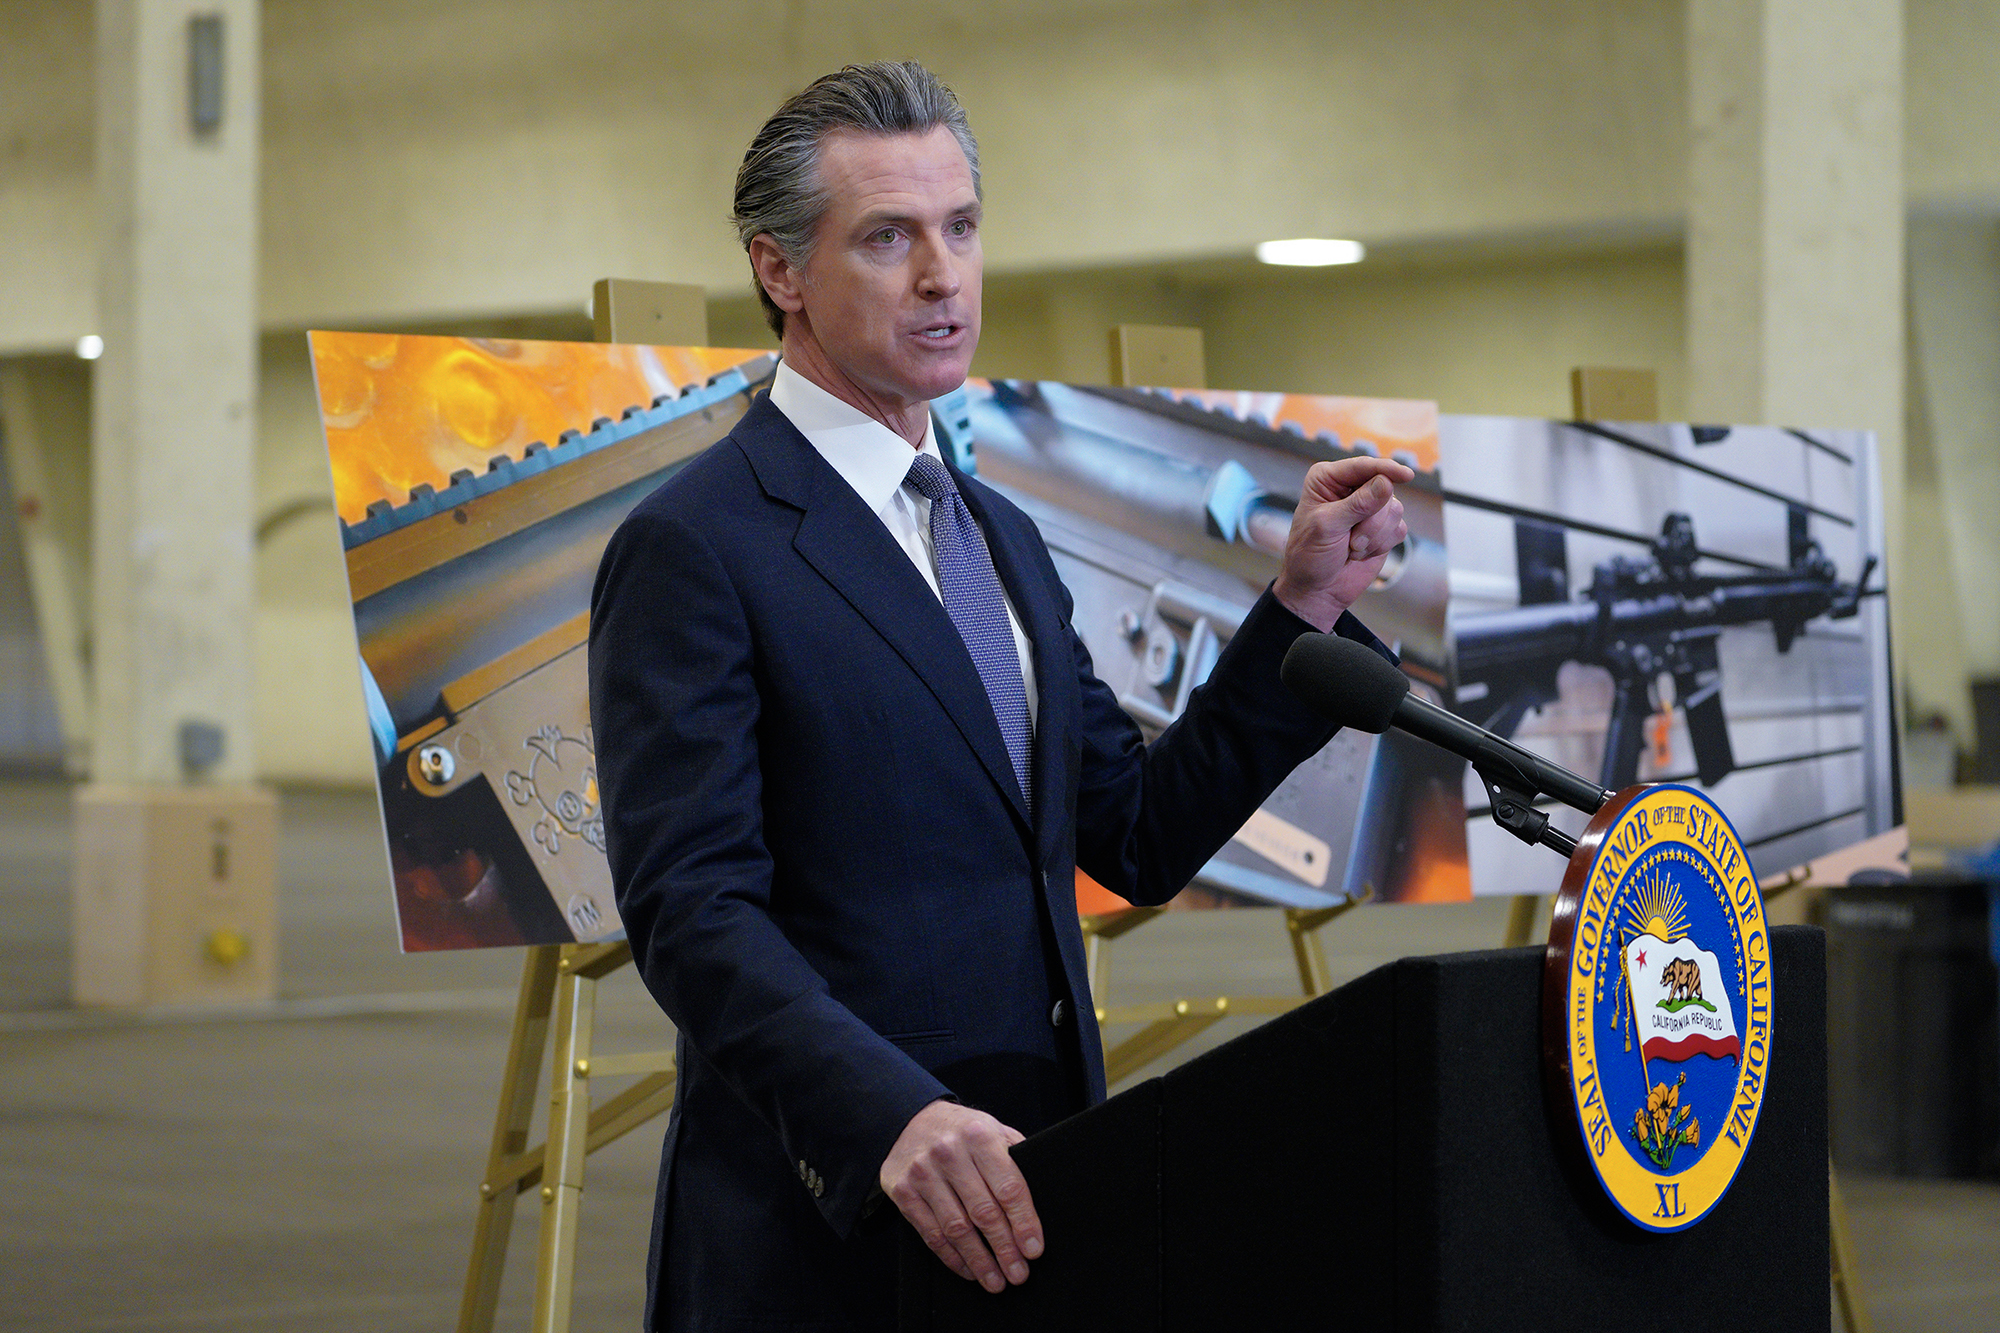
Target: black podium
pixel 1386 1157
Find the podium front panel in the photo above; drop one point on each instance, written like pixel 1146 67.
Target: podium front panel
pixel 1387 1158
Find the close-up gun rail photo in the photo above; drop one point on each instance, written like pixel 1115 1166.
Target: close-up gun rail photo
pixel 1645 602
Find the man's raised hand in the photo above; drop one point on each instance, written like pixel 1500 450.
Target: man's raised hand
pixel 952 1177
pixel 1347 522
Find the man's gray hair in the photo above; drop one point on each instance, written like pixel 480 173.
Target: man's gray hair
pixel 778 190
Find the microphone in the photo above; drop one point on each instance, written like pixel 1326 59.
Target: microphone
pixel 1354 686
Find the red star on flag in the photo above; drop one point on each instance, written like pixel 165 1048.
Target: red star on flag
pixel 1642 958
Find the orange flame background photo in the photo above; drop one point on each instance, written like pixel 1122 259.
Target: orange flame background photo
pixel 403 410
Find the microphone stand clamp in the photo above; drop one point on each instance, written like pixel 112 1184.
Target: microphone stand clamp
pixel 1514 810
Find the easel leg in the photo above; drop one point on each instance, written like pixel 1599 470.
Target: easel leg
pixel 1169 1026
pixel 1161 1036
pixel 1521 920
pixel 1096 966
pixel 1098 932
pixel 1307 951
pixel 510 1139
pixel 1853 1312
pixel 569 1127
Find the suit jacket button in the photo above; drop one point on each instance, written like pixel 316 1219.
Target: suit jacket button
pixel 1059 1014
pixel 803 1173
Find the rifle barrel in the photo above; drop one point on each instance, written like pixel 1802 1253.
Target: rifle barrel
pixel 1529 638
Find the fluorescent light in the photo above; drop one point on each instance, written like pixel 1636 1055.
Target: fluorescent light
pixel 90 347
pixel 1310 252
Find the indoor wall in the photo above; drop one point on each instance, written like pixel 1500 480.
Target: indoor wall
pixel 1518 172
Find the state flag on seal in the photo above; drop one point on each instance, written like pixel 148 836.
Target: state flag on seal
pixel 1679 1002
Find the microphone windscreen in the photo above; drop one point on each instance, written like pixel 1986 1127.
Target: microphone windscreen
pixel 1344 681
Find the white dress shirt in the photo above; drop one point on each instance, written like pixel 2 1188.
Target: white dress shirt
pixel 874 460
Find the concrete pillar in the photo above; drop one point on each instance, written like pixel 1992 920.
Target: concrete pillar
pixel 1935 676
pixel 1955 327
pixel 175 865
pixel 1795 214
pixel 1795 218
pixel 1795 299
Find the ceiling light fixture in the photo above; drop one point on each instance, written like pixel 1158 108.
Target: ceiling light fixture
pixel 1310 252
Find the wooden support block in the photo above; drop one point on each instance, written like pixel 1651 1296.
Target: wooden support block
pixel 1604 393
pixel 175 895
pixel 1158 355
pixel 663 314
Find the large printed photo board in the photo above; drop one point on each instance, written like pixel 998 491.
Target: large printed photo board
pixel 477 482
pixel 1636 602
pixel 1643 602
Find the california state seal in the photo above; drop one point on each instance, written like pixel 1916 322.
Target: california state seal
pixel 1657 1022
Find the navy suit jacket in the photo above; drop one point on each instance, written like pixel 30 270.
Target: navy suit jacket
pixel 825 867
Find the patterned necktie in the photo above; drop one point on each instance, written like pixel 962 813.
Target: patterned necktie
pixel 972 599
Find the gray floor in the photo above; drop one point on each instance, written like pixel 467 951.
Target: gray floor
pixel 312 1167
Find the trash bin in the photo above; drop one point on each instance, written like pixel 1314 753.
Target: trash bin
pixel 1913 1027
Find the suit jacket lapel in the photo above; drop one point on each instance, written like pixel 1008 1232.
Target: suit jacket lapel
pixel 851 550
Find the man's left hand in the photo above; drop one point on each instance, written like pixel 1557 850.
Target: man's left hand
pixel 950 1174
pixel 1347 522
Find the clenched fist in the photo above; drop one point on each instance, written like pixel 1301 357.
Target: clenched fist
pixel 1347 522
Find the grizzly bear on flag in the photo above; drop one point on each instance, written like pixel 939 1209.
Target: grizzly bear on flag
pixel 1672 1018
pixel 1682 979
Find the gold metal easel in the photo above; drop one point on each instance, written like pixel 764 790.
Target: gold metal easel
pixel 560 981
pixel 1853 1310
pixel 1170 1023
pixel 1521 920
pixel 562 978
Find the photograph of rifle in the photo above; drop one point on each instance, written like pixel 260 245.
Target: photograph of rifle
pixel 1640 619
pixel 1650 603
pixel 1166 513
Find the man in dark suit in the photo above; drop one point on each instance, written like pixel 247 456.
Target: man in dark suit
pixel 852 755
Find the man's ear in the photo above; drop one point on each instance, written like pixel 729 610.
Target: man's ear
pixel 784 284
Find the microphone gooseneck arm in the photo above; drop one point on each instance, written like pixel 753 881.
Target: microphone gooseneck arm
pixel 1513 777
pixel 1351 685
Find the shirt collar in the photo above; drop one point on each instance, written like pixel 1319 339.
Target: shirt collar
pixel 868 455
